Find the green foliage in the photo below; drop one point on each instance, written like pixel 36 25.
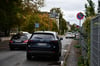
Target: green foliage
pixel 8 14
pixel 62 21
pixel 89 9
pixel 55 28
pixel 86 26
pixel 77 46
pixel 13 13
pixel 80 61
pixel 30 23
pixel 29 6
pixel 45 23
pixel 62 26
pixel 74 28
pixel 90 13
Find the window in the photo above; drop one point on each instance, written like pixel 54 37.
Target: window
pixel 42 36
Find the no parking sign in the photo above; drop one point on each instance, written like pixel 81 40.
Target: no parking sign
pixel 80 16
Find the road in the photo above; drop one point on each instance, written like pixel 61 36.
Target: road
pixel 18 57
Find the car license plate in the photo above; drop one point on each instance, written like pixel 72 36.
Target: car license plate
pixel 42 44
pixel 17 41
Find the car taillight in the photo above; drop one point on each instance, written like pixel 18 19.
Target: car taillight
pixel 25 41
pixel 30 40
pixel 11 41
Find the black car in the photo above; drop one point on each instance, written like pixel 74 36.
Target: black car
pixel 19 40
pixel 44 43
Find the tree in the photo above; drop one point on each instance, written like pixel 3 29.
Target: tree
pixel 13 13
pixel 30 12
pixel 73 27
pixel 90 13
pixel 44 21
pixel 8 14
pixel 62 21
pixel 63 26
pixel 33 4
pixel 89 9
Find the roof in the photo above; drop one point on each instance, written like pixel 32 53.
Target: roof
pixel 51 32
pixel 46 32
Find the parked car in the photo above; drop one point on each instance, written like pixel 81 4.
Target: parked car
pixel 69 35
pixel 44 43
pixel 77 34
pixel 19 40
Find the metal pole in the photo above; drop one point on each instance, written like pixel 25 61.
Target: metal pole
pixel 80 31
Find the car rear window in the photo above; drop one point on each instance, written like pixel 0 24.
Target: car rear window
pixel 42 36
pixel 23 37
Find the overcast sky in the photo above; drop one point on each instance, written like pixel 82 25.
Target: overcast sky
pixel 69 8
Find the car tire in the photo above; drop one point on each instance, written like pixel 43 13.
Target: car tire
pixel 56 58
pixel 29 57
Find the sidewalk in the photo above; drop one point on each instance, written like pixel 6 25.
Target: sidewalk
pixel 71 58
pixel 4 39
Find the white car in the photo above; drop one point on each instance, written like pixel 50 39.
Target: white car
pixel 69 35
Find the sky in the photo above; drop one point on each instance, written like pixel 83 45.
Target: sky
pixel 70 8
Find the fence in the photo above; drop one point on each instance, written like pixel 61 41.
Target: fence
pixel 95 42
pixel 84 46
pixel 84 49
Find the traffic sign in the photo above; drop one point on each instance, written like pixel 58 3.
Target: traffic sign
pixel 77 26
pixel 36 25
pixel 80 16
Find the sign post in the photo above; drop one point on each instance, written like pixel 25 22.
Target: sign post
pixel 80 16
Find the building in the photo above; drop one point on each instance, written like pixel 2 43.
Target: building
pixel 68 26
pixel 55 16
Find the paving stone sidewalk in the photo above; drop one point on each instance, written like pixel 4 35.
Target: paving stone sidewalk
pixel 72 59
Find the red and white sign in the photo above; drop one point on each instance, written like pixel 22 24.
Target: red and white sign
pixel 80 16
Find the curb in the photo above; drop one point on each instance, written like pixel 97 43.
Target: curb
pixel 67 54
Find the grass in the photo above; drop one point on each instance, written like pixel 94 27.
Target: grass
pixel 77 46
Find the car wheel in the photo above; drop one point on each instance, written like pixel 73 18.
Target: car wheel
pixel 29 57
pixel 56 58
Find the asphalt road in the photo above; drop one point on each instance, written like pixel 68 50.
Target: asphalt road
pixel 18 57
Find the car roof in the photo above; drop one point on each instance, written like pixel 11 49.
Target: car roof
pixel 51 32
pixel 24 32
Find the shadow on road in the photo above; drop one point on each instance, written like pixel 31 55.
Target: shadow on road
pixel 45 59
